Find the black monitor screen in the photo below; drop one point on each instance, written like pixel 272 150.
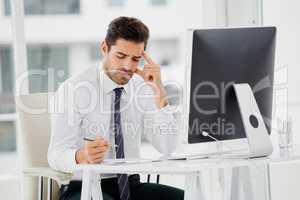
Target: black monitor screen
pixel 221 57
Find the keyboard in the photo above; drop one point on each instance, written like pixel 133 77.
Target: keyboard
pixel 237 153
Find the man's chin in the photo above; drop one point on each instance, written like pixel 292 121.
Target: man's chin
pixel 124 80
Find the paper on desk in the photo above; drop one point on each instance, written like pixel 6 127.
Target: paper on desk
pixel 160 159
pixel 125 161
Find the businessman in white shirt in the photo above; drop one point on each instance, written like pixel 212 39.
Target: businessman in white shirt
pixel 103 112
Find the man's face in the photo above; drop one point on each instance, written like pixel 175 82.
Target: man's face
pixel 122 60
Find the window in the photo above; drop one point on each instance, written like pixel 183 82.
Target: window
pixel 116 3
pixel 164 51
pixel 95 53
pixel 6 82
pixel 46 7
pixel 52 63
pixel 39 57
pixel 7 105
pixel 7 136
pixel 158 2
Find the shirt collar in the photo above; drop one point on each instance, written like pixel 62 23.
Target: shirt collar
pixel 109 85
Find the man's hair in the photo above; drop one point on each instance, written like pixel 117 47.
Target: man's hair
pixel 128 28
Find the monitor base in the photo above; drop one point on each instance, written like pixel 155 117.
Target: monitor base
pixel 257 135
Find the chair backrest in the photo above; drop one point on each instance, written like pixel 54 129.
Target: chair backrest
pixel 34 128
pixel 34 138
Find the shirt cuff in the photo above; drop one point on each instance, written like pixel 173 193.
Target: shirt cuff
pixel 72 161
pixel 165 114
pixel 67 163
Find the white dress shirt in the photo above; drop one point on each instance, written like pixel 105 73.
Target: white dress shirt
pixel 83 107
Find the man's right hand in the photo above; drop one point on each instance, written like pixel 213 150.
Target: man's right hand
pixel 92 152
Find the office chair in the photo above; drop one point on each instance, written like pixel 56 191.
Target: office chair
pixel 32 143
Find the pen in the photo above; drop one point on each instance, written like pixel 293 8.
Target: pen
pixel 90 140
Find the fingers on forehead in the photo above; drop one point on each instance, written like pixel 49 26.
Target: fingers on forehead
pixel 147 57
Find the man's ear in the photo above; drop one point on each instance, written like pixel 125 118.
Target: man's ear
pixel 104 48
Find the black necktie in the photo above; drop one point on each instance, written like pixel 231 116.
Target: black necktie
pixel 123 184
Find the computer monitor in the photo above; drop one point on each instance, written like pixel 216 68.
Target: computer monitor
pixel 219 58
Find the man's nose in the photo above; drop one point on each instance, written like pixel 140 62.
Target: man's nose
pixel 129 65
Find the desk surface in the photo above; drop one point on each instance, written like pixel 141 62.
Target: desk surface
pixel 183 166
pixel 193 185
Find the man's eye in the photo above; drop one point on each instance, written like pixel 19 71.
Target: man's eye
pixel 136 59
pixel 121 57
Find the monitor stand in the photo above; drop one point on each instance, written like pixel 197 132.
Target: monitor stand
pixel 257 135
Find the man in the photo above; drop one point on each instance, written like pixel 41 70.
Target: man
pixel 104 111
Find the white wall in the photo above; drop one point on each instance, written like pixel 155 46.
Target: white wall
pixel 285 183
pixel 9 187
pixel 243 13
pixel 231 13
pixel 90 25
pixel 285 15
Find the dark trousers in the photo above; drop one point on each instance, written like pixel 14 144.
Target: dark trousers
pixel 138 190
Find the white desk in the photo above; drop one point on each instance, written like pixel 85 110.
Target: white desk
pixel 192 169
